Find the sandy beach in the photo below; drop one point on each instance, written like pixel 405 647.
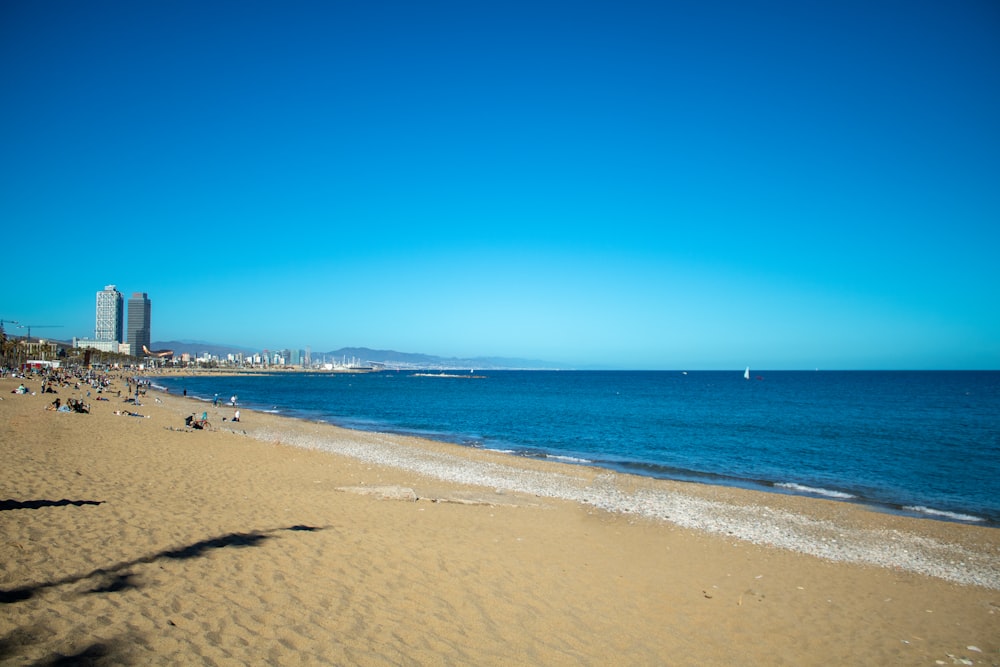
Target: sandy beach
pixel 136 540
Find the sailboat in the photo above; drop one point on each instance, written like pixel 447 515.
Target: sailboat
pixel 746 373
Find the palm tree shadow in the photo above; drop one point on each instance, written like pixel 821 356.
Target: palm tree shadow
pixel 116 578
pixel 116 584
pixel 200 548
pixel 98 653
pixel 11 504
pixel 112 651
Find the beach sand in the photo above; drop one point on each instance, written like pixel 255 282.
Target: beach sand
pixel 278 541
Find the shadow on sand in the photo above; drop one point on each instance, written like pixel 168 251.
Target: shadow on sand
pixel 113 579
pixel 11 504
pixel 98 653
pixel 114 651
pixel 117 578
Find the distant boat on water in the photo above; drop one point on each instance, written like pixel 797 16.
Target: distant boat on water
pixel 746 373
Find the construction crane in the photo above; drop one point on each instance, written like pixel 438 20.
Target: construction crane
pixel 29 327
pixel 3 322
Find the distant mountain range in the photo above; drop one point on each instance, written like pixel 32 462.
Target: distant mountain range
pixel 390 358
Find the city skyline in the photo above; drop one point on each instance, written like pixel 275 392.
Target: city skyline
pixel 637 185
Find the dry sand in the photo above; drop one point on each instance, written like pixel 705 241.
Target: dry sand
pixel 135 541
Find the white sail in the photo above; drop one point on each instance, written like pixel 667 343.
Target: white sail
pixel 746 373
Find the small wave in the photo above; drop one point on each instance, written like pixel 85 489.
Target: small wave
pixel 827 493
pixel 953 516
pixel 272 411
pixel 568 459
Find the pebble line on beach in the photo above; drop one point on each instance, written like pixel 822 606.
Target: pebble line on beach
pixel 751 523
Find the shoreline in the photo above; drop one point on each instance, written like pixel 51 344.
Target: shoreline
pixel 807 527
pixel 792 487
pixel 803 523
pixel 286 540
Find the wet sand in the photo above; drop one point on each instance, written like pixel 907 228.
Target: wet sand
pixel 130 540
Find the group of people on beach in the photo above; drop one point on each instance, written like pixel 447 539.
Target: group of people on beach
pixel 71 405
pixel 53 379
pixel 77 378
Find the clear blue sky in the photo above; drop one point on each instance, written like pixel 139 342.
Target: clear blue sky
pixel 617 184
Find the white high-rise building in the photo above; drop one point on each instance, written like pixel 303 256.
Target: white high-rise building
pixel 110 315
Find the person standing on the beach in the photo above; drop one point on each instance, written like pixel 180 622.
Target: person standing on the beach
pixel 215 401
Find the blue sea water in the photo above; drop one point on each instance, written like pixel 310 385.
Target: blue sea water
pixel 923 443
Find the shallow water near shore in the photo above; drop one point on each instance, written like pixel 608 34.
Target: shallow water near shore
pixel 921 443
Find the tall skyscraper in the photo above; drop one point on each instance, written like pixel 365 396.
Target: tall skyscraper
pixel 110 315
pixel 138 323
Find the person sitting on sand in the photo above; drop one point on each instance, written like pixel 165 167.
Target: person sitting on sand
pixel 200 424
pixel 54 405
pixel 236 417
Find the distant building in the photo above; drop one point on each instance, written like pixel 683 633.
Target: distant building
pixel 109 322
pixel 102 345
pixel 138 322
pixel 110 316
pixel 41 349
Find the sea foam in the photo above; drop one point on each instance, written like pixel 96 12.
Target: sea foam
pixel 801 488
pixel 951 516
pixel 567 459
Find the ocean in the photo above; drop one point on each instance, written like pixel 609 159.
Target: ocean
pixel 912 442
